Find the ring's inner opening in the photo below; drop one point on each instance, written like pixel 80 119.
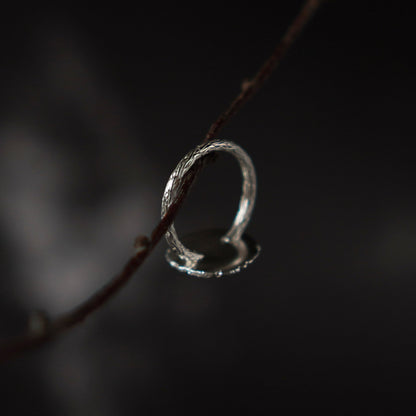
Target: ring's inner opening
pixel 214 198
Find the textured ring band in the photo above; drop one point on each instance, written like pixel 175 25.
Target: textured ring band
pixel 245 250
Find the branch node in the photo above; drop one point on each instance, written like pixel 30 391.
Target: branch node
pixel 246 84
pixel 141 243
pixel 38 322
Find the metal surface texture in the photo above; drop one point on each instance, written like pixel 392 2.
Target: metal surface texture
pixel 214 252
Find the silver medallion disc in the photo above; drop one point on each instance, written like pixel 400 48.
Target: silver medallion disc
pixel 213 253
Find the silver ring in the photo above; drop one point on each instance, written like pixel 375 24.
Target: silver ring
pixel 220 252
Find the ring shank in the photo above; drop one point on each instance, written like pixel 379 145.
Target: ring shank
pixel 246 205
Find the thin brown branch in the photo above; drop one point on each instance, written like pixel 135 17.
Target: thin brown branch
pixel 49 329
pixel 250 87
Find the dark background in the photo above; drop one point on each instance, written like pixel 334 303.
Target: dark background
pixel 97 107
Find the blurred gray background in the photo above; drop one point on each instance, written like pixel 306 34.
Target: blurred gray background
pixel 98 106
